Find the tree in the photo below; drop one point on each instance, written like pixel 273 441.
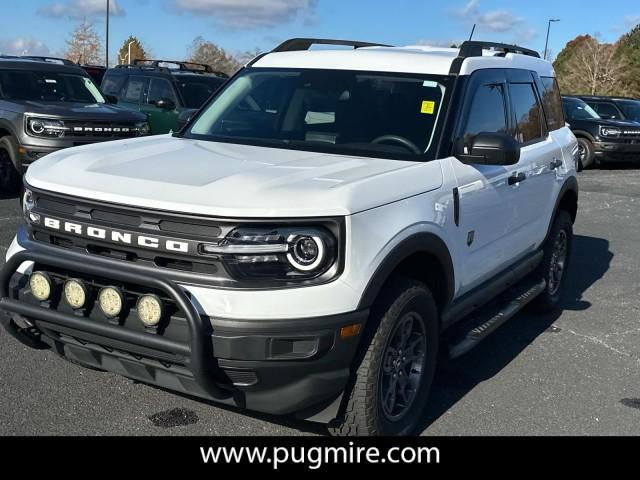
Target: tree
pixel 248 55
pixel 84 46
pixel 587 66
pixel 202 51
pixel 138 52
pixel 629 52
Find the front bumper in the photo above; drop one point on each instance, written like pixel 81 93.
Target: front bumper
pixel 27 154
pixel 293 366
pixel 617 151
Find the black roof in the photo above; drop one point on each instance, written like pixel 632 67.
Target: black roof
pixel 605 97
pixel 17 63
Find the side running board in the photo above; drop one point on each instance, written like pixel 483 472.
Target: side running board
pixel 487 323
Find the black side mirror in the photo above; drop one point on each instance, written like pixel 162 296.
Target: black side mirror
pixel 166 104
pixel 492 149
pixel 112 99
pixel 184 117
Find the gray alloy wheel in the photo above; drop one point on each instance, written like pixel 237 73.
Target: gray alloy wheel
pixel 402 367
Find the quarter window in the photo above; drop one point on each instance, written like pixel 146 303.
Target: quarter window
pixel 526 111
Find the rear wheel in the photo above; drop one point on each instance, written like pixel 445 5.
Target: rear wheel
pixel 586 154
pixel 9 176
pixel 391 385
pixel 555 262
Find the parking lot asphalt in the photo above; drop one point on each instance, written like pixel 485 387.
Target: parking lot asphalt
pixel 576 371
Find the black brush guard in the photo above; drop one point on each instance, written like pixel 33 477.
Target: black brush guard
pixel 198 352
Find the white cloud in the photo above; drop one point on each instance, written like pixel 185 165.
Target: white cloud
pixel 249 13
pixel 79 9
pixel 631 21
pixel 497 21
pixel 23 46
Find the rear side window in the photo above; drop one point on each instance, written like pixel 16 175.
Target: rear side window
pixel 112 84
pixel 487 112
pixel 526 111
pixel 552 103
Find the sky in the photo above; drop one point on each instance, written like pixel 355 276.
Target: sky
pixel 167 27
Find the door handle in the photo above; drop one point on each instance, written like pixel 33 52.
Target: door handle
pixel 517 178
pixel 556 163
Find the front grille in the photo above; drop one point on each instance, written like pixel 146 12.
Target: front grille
pixel 80 129
pixel 191 229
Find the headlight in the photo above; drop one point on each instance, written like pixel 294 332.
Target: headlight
pixel 278 253
pixel 610 131
pixel 45 127
pixel 143 129
pixel 28 202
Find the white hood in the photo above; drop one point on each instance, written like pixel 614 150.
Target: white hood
pixel 228 180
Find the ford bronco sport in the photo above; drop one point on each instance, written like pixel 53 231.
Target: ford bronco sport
pixel 601 139
pixel 313 236
pixel 50 104
pixel 164 90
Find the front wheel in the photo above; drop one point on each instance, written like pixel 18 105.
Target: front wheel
pixel 9 176
pixel 390 387
pixel 586 154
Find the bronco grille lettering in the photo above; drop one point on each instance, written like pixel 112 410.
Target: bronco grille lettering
pixel 116 236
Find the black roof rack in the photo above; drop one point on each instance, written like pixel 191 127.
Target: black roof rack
pixel 474 48
pixel 184 66
pixel 298 44
pixel 61 61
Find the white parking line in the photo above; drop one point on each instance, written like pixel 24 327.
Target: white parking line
pixel 10 218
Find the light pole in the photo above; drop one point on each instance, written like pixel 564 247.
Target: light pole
pixel 546 43
pixel 107 38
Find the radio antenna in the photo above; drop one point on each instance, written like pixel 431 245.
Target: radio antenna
pixel 472 32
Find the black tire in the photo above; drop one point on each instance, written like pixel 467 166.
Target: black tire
pixel 555 263
pixel 9 176
pixel 403 301
pixel 587 154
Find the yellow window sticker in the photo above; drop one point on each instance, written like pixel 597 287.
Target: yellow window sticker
pixel 428 107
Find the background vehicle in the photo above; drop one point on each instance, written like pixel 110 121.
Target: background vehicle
pixel 612 108
pixel 600 139
pixel 336 217
pixel 161 89
pixel 46 106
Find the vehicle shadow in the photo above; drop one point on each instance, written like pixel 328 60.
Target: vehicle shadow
pixel 591 258
pixel 8 196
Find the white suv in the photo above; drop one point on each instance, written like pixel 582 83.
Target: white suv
pixel 303 244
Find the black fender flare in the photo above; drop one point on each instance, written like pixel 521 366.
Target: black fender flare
pixel 423 242
pixel 10 145
pixel 570 184
pixel 584 133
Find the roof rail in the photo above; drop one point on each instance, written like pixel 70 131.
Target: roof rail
pixel 62 61
pixel 182 65
pixel 474 48
pixel 298 44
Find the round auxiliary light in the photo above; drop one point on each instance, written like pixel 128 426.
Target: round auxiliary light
pixel 149 308
pixel 75 293
pixel 110 300
pixel 307 252
pixel 40 285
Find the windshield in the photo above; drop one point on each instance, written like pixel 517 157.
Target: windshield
pixel 336 111
pixel 48 87
pixel 576 109
pixel 630 108
pixel 196 90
